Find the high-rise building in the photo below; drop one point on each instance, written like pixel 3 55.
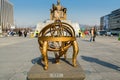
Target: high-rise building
pixel 115 20
pixel 104 22
pixel 111 22
pixel 6 15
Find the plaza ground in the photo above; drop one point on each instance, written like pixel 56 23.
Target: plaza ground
pixel 100 60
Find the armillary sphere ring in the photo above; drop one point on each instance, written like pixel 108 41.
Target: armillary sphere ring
pixel 57 37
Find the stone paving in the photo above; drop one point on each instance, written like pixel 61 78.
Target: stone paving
pixel 100 60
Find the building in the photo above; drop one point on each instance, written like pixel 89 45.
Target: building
pixel 104 22
pixel 58 12
pixel 6 15
pixel 111 22
pixel 114 20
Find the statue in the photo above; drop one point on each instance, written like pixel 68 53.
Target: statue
pixel 58 12
pixel 58 2
pixel 57 37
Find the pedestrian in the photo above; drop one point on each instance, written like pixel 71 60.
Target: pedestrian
pixel 92 34
pixel 79 33
pixel 25 33
pixel 36 33
pixel 19 33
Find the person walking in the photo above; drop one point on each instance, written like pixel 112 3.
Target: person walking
pixel 19 33
pixel 36 33
pixel 79 33
pixel 25 33
pixel 92 34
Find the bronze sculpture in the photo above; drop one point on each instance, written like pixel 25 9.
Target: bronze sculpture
pixel 58 12
pixel 57 37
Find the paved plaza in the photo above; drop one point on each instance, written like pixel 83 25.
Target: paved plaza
pixel 100 60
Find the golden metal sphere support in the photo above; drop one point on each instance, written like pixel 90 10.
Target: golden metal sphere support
pixel 57 37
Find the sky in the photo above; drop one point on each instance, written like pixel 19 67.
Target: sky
pixel 88 12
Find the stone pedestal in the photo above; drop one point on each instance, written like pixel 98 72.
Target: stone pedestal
pixel 62 71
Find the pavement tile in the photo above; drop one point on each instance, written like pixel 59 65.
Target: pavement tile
pixel 100 60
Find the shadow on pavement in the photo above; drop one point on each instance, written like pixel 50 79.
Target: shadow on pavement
pixel 36 60
pixel 39 61
pixel 86 40
pixel 103 63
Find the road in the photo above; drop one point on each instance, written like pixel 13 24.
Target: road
pixel 100 60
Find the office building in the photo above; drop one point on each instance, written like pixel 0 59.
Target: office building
pixel 6 15
pixel 114 20
pixel 104 22
pixel 111 22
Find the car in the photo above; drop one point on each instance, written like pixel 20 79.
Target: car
pixel 109 33
pixel 102 33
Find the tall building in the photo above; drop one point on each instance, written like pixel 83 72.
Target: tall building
pixel 111 22
pixel 115 20
pixel 104 22
pixel 6 15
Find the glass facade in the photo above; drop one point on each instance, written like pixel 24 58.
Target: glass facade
pixel 104 22
pixel 111 21
pixel 6 15
pixel 115 20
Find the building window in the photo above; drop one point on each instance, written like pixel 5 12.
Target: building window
pixel 118 21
